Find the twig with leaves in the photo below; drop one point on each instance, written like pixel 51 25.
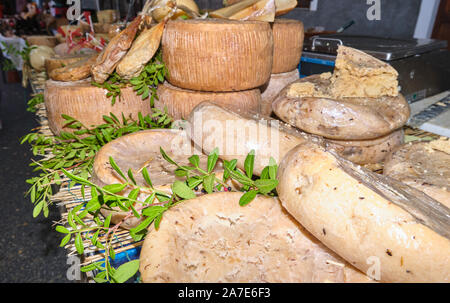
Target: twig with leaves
pixel 151 210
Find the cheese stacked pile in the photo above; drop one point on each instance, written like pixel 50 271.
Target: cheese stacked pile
pixel 217 60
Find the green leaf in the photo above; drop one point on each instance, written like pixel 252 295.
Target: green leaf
pixel 182 190
pixel 130 175
pixel 79 244
pixel 65 240
pixel 107 221
pixel 212 159
pixel 126 271
pixel 194 160
pixel 116 168
pixel 247 197
pixel 266 186
pixel 114 188
pixel 146 176
pixel 62 229
pixel 38 208
pixel 208 183
pixel 249 163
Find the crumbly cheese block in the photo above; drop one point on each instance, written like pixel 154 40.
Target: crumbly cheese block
pixel 261 10
pixel 62 61
pixel 309 105
pixel 38 56
pixel 88 103
pixel 217 55
pixel 358 74
pixel 271 89
pixel 50 41
pixel 288 36
pixel 368 151
pixel 388 230
pixel 423 165
pixel 141 150
pixel 213 239
pixel 180 102
pixel 78 70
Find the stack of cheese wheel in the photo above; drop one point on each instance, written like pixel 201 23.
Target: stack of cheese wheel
pixel 225 61
pixel 357 108
pixel 288 36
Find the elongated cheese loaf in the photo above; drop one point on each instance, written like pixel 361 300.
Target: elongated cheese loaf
pixel 62 61
pixel 379 225
pixel 235 134
pixel 88 103
pixel 368 151
pixel 180 102
pixel 288 36
pixel 213 239
pixel 217 55
pixel 271 89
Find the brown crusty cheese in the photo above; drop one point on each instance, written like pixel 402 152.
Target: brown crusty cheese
pixel 376 223
pixel 423 165
pixel 213 239
pixel 88 103
pixel 180 102
pixel 62 61
pixel 75 71
pixel 309 105
pixel 49 41
pixel 360 75
pixel 217 55
pixel 271 89
pixel 368 151
pixel 288 36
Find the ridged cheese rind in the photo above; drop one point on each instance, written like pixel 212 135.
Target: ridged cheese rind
pixel 180 102
pixel 217 55
pixel 288 37
pixel 88 103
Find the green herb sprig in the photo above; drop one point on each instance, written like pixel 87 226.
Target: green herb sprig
pixel 144 85
pixel 33 102
pixel 75 151
pixel 151 210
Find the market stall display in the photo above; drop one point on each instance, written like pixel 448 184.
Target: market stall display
pixel 131 187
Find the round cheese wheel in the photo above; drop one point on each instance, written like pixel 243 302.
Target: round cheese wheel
pixel 388 230
pixel 180 102
pixel 50 41
pixel 288 36
pixel 424 166
pixel 368 151
pixel 38 56
pixel 307 105
pixel 213 239
pixel 141 150
pixel 217 55
pixel 271 89
pixel 62 61
pixel 88 103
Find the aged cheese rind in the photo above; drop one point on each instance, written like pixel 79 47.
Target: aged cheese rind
pixel 423 166
pixel 366 218
pixel 88 103
pixel 217 55
pixel 62 61
pixel 339 118
pixel 213 239
pixel 271 89
pixel 288 36
pixel 50 41
pixel 235 134
pixel 358 74
pixel 162 9
pixel 180 102
pixel 368 151
pixel 76 71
